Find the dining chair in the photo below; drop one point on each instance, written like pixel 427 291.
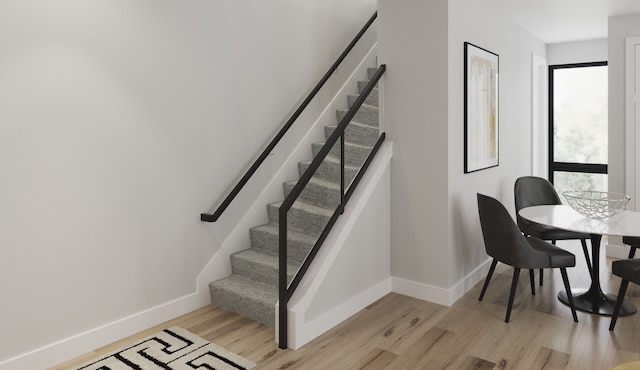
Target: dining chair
pixel 505 243
pixel 633 242
pixel 536 191
pixel 628 270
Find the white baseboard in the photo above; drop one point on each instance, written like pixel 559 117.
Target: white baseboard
pixel 464 285
pixel 421 291
pixel 84 342
pixel 434 294
pixel 307 331
pixel 81 343
pixel 620 251
pixel 446 297
pixel 68 348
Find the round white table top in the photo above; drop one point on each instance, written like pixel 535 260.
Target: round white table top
pixel 625 223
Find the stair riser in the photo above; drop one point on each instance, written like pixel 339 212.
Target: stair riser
pixel 299 219
pixel 366 115
pixel 265 273
pixel 353 155
pixel 297 251
pixel 356 134
pixel 329 171
pixel 242 305
pixel 371 72
pixel 363 84
pixel 316 194
pixel 371 100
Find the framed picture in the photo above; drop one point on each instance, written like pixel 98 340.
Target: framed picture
pixel 480 108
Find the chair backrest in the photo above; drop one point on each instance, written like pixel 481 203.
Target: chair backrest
pixel 502 238
pixel 533 191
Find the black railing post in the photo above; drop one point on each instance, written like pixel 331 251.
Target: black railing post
pixel 282 279
pixel 342 180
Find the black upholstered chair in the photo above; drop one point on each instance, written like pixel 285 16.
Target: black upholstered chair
pixel 629 271
pixel 505 243
pixel 536 191
pixel 633 242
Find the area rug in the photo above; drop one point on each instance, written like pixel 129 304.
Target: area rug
pixel 171 349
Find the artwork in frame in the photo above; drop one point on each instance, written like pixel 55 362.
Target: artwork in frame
pixel 480 109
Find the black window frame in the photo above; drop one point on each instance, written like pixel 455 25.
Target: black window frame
pixel 569 166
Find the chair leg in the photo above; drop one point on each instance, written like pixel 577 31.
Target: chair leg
pixel 486 281
pixel 567 288
pixel 541 273
pixel 554 243
pixel 532 280
pixel 616 309
pixel 586 254
pixel 512 294
pixel 632 252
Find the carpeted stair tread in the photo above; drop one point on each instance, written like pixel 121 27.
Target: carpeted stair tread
pixel 329 170
pixel 317 192
pixel 302 217
pixel 249 298
pixel 354 154
pixel 356 133
pixel 366 115
pixel 261 265
pixel 363 84
pixel 370 101
pixel 267 237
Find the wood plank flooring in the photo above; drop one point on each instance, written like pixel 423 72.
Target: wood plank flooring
pixel 399 332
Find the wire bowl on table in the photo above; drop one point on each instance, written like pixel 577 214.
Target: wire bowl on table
pixel 596 204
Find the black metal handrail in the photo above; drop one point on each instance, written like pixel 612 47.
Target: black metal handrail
pixel 213 217
pixel 285 292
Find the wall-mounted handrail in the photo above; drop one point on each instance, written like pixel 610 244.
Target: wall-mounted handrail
pixel 285 290
pixel 213 217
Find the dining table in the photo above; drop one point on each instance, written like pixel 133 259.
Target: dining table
pixel 624 223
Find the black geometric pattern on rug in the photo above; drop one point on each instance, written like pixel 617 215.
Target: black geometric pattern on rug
pixel 170 349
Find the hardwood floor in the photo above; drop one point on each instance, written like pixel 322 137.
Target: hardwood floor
pixel 399 332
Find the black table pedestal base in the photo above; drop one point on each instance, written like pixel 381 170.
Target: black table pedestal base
pixel 596 302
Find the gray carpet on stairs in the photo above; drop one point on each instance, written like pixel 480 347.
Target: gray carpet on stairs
pixel 252 288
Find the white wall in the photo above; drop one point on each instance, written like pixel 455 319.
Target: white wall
pixel 435 231
pixel 412 42
pixel 578 52
pixel 122 121
pixel 474 22
pixel 619 28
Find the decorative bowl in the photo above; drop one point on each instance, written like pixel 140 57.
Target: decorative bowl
pixel 596 204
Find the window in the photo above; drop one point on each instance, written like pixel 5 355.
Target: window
pixel 578 126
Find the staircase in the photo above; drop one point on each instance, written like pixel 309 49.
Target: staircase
pixel 252 288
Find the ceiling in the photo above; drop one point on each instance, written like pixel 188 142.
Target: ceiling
pixel 554 21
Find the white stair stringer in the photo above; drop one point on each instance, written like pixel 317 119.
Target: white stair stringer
pixel 352 268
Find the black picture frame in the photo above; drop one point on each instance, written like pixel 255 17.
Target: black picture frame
pixel 481 108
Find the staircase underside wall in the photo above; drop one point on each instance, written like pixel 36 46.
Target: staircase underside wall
pixel 353 269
